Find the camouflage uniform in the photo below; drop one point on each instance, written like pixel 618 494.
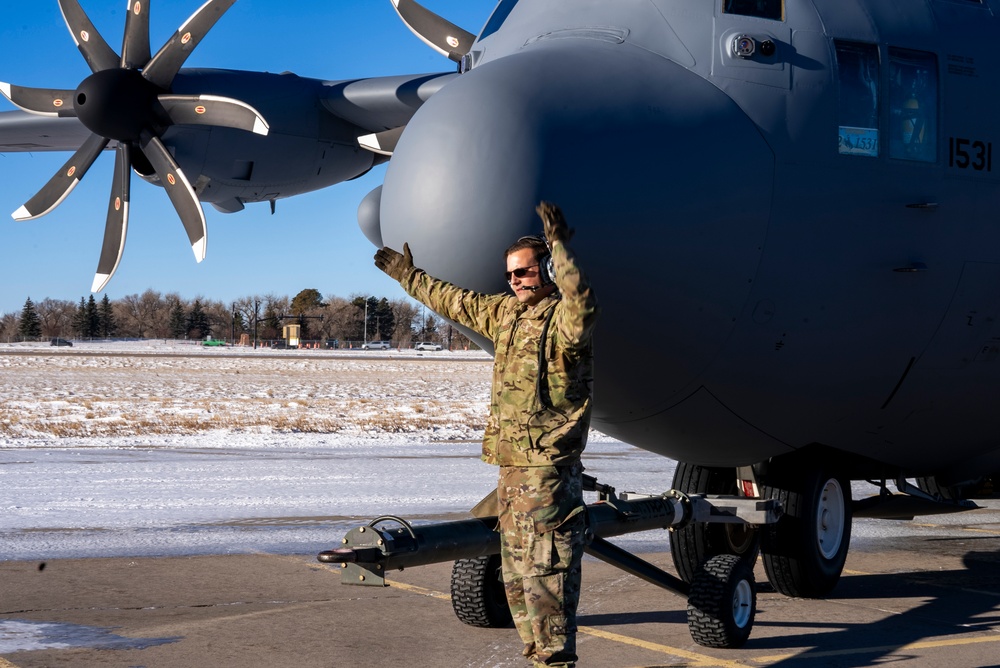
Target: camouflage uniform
pixel 537 429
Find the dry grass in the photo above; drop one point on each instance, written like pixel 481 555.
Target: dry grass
pixel 97 397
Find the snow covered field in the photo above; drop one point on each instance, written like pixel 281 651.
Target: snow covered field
pixel 157 448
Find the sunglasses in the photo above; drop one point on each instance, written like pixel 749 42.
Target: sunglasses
pixel 520 272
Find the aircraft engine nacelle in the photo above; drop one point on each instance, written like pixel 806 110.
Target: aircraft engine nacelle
pixel 665 180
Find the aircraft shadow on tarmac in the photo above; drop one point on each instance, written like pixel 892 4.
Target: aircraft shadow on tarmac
pixel 956 602
pixel 678 616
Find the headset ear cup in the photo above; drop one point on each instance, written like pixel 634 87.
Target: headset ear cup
pixel 546 271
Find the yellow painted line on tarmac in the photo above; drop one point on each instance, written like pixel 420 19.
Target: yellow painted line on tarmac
pixel 878 649
pixel 423 591
pixel 993 532
pixel 701 660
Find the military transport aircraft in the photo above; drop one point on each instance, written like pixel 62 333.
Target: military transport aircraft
pixel 788 208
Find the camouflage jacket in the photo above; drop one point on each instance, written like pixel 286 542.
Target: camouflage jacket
pixel 539 405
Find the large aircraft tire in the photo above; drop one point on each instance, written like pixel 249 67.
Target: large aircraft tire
pixel 805 551
pixel 477 593
pixel 722 603
pixel 696 543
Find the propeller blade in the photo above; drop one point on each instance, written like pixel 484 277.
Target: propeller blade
pixel 181 193
pixel 438 33
pixel 383 142
pixel 63 182
pixel 117 221
pixel 95 50
pixel 170 58
pixel 213 110
pixel 135 44
pixel 41 101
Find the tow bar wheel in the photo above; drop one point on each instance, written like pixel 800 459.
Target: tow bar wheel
pixel 477 593
pixel 722 603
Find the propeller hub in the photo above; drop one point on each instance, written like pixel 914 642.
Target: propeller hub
pixel 117 104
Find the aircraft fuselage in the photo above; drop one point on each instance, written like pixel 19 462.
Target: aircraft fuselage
pixel 791 247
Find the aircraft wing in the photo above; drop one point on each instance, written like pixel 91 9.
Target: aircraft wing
pixel 382 103
pixel 21 132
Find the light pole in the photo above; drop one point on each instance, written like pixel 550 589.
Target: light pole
pixel 256 318
pixel 364 335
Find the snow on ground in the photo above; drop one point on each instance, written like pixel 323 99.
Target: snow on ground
pixel 165 448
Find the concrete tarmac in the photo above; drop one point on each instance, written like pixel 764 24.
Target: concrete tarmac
pixel 924 599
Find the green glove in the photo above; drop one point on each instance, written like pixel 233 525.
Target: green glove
pixel 552 217
pixel 397 265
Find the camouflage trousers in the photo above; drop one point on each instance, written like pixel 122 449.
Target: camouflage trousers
pixel 542 522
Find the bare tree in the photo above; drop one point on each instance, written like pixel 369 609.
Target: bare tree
pixel 220 318
pixel 404 312
pixel 341 319
pixel 8 327
pixel 138 315
pixel 272 307
pixel 56 316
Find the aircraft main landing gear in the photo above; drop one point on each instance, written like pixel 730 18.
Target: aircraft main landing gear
pixel 805 551
pixel 693 545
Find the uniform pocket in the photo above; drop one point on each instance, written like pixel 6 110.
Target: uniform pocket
pixel 553 548
pixel 542 423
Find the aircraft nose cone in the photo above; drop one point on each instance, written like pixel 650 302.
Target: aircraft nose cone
pixel 665 180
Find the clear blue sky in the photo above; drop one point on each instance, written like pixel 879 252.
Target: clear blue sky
pixel 312 241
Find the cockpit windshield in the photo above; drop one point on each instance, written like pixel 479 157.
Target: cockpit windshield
pixel 500 15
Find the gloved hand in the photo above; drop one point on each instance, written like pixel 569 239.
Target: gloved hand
pixel 552 217
pixel 395 264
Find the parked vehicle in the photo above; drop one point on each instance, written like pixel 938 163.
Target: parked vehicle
pixel 61 342
pixel 427 345
pixel 376 345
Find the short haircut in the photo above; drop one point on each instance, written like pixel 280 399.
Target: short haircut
pixel 536 243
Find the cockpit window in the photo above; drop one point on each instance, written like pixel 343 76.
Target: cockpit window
pixel 913 102
pixel 857 109
pixel 762 9
pixel 500 15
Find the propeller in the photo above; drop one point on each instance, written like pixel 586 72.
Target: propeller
pixel 128 100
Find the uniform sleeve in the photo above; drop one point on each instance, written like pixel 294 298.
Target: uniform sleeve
pixel 479 312
pixel 577 316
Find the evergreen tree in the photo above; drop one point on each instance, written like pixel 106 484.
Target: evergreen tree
pixel 106 319
pixel 30 327
pixel 177 323
pixel 305 301
pixel 80 319
pixel 385 320
pixel 93 319
pixel 197 321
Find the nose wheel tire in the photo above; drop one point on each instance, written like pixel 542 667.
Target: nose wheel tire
pixel 478 596
pixel 805 551
pixel 722 603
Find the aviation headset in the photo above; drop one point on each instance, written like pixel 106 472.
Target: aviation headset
pixel 545 270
